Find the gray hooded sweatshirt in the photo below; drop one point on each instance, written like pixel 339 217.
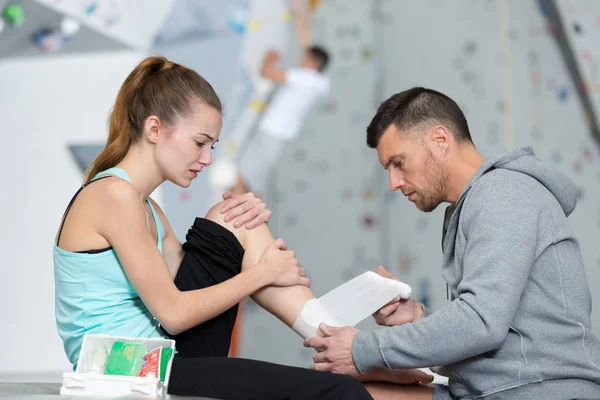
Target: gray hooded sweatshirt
pixel 519 319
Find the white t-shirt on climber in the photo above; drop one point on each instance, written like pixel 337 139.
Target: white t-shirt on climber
pixel 285 114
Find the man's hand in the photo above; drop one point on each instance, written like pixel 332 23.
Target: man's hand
pixel 270 70
pixel 398 311
pixel 272 57
pixel 335 350
pixel 245 209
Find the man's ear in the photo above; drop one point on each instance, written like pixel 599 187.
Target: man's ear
pixel 440 139
pixel 151 128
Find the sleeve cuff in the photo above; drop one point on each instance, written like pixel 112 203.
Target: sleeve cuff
pixel 366 351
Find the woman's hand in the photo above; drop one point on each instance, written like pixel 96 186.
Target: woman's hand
pixel 282 267
pixel 245 209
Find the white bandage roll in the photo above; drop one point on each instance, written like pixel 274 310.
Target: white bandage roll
pixel 349 303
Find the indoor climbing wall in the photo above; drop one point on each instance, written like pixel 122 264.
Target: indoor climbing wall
pixel 503 64
pixel 326 194
pixel 121 20
pixel 574 139
pixel 240 32
pixel 576 32
pixel 267 29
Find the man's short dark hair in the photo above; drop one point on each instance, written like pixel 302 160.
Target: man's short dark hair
pixel 319 56
pixel 416 106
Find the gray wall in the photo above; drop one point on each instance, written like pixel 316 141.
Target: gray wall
pixel 330 196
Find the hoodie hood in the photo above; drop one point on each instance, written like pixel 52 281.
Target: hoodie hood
pixel 523 160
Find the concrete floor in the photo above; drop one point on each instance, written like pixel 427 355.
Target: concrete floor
pixel 43 391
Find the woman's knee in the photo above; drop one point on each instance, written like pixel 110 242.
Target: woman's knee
pixel 246 236
pixel 215 215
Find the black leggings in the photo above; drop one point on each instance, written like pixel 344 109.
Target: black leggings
pixel 201 368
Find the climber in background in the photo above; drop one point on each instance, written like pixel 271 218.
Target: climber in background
pixel 285 114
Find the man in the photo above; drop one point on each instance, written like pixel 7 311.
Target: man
pixel 518 324
pixel 283 118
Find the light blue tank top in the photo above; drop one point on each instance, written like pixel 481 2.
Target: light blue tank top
pixel 93 294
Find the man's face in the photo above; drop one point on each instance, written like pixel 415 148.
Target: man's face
pixel 413 168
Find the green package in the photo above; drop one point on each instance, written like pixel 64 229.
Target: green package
pixel 125 359
pixel 165 356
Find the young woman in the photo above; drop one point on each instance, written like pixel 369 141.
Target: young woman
pixel 120 269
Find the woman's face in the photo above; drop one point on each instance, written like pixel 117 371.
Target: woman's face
pixel 187 148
